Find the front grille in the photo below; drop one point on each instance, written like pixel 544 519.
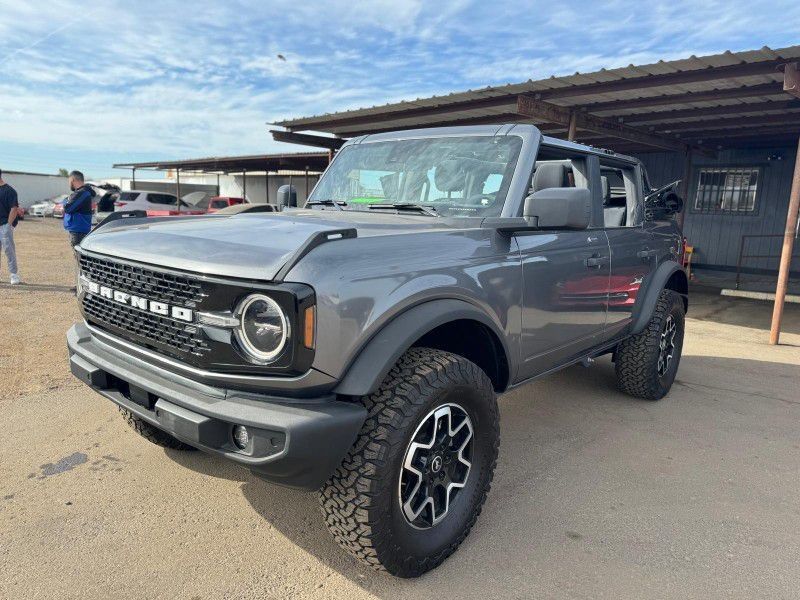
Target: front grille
pixel 171 288
pixel 158 332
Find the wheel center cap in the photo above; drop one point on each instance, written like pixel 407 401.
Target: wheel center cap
pixel 436 464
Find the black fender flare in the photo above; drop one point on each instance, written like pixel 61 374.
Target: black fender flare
pixel 366 372
pixel 643 310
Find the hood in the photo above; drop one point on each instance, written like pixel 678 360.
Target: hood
pixel 197 199
pixel 247 246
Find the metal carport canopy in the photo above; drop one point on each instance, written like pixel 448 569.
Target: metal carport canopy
pixel 297 161
pixel 664 105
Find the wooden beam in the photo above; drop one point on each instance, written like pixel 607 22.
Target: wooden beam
pixel 790 231
pixel 305 139
pixel 617 106
pixel 691 137
pixel 536 109
pixel 791 79
pixel 731 123
pixel 711 111
pixel 744 69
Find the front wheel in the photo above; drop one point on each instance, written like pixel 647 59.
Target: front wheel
pixel 413 484
pixel 646 363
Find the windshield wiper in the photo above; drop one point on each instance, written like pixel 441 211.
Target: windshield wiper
pixel 427 210
pixel 337 203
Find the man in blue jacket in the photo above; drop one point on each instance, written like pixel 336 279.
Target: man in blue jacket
pixel 78 209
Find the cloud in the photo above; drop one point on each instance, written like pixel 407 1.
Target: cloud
pixel 173 79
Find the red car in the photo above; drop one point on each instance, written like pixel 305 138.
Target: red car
pixel 218 202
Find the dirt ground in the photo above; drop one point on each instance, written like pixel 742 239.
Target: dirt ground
pixel 596 495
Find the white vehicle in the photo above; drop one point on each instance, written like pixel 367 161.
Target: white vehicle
pixel 42 209
pixel 145 200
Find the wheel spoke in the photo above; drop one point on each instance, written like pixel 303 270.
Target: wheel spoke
pixel 436 466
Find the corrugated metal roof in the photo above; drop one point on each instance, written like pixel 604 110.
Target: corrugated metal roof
pixel 727 79
pixel 296 161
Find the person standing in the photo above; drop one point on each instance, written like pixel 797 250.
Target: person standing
pixel 78 209
pixel 9 211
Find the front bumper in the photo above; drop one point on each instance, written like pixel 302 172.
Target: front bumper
pixel 294 441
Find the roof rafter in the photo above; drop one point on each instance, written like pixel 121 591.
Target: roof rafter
pixel 552 113
pixel 743 69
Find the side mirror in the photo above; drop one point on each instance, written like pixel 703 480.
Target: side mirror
pixel 559 208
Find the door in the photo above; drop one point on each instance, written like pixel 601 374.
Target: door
pixel 634 249
pixel 565 293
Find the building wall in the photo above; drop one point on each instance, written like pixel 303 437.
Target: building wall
pixel 717 237
pixel 35 187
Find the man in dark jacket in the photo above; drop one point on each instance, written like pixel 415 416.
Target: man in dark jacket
pixel 78 209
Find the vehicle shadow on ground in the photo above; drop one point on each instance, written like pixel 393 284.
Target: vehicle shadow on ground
pixel 573 448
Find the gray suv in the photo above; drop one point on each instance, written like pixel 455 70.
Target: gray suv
pixel 357 345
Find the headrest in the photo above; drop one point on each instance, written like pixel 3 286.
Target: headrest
pixel 550 175
pixel 450 176
pixel 606 189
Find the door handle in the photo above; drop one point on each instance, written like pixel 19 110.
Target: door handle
pixel 595 262
pixel 647 253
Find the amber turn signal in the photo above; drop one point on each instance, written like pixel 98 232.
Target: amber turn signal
pixel 309 325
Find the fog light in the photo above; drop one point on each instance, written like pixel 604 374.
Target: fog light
pixel 240 436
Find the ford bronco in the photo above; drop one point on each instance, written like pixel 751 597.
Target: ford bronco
pixel 357 345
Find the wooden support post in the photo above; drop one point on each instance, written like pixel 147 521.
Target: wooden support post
pixel 573 126
pixel 786 254
pixel 133 179
pixel 244 185
pixel 217 184
pixel 178 187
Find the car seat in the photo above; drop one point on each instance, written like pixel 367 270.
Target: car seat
pixel 614 209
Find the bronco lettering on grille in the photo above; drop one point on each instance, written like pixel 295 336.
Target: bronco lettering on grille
pixel 153 306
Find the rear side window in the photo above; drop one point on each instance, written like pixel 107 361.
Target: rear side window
pixel 128 196
pixel 165 199
pixel 621 196
pixel 219 204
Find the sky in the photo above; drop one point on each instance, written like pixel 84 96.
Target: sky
pixel 85 83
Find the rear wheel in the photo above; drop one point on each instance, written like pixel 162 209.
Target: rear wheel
pixel 646 363
pixel 153 434
pixel 414 482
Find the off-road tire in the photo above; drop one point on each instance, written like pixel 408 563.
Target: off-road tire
pixel 360 501
pixel 153 434
pixel 636 358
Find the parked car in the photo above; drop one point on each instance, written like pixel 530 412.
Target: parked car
pixel 58 207
pixel 219 202
pixel 42 209
pixel 146 200
pixel 359 347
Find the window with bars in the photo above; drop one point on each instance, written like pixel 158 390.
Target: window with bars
pixel 731 190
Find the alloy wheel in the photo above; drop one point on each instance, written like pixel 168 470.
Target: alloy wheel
pixel 666 345
pixel 436 465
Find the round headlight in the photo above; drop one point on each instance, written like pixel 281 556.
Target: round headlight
pixel 263 328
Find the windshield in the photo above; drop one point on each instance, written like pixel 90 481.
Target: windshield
pixel 457 176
